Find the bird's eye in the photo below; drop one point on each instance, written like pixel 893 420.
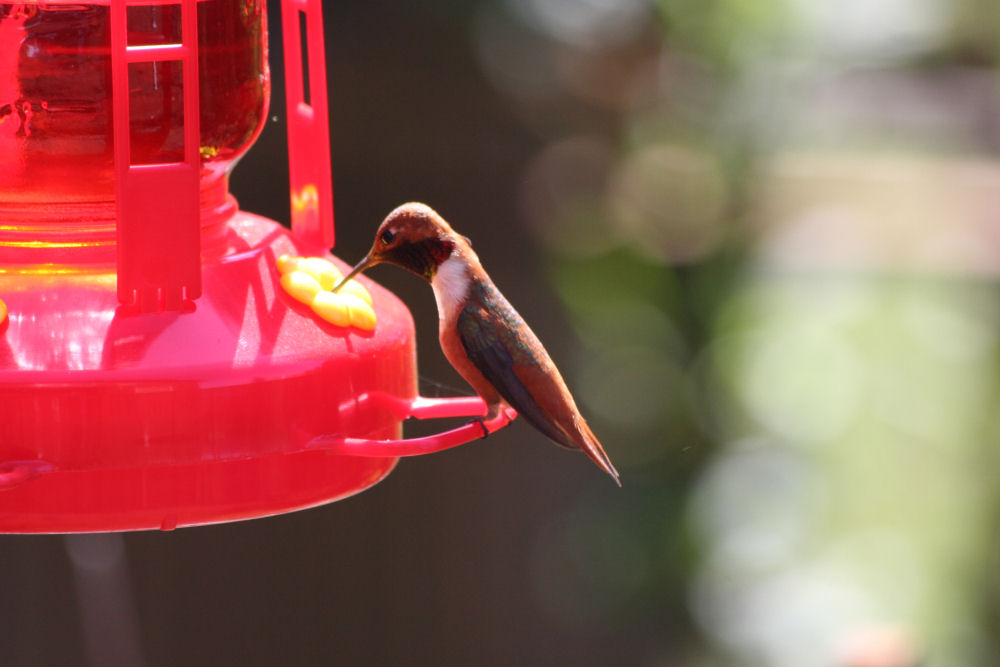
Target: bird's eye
pixel 387 237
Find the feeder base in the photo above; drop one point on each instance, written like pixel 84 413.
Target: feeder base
pixel 130 420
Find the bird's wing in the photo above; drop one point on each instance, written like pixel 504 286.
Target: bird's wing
pixel 490 351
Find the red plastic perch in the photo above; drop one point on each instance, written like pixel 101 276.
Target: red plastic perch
pixel 419 408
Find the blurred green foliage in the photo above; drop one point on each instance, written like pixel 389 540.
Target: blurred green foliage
pixel 786 315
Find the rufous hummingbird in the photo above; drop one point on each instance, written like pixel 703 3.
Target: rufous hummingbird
pixel 481 334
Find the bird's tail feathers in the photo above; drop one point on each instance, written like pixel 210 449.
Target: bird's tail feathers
pixel 590 445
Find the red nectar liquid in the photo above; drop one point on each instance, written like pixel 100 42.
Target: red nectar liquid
pixel 56 138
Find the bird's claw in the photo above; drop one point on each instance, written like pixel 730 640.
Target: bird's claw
pixel 482 424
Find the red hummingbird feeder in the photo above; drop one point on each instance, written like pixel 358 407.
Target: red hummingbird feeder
pixel 153 371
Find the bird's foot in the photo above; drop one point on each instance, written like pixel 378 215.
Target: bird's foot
pixel 492 412
pixel 482 424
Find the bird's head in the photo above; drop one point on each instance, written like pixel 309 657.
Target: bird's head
pixel 415 238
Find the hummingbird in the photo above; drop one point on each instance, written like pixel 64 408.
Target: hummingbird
pixel 481 334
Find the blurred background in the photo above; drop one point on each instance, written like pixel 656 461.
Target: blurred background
pixel 760 238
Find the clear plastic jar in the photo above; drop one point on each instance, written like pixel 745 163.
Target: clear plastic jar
pixel 56 140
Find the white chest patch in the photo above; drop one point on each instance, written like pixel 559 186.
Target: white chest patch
pixel 450 283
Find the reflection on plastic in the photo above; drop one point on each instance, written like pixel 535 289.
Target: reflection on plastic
pixel 13 473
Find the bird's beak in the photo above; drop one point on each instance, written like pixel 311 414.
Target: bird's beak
pixel 368 262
